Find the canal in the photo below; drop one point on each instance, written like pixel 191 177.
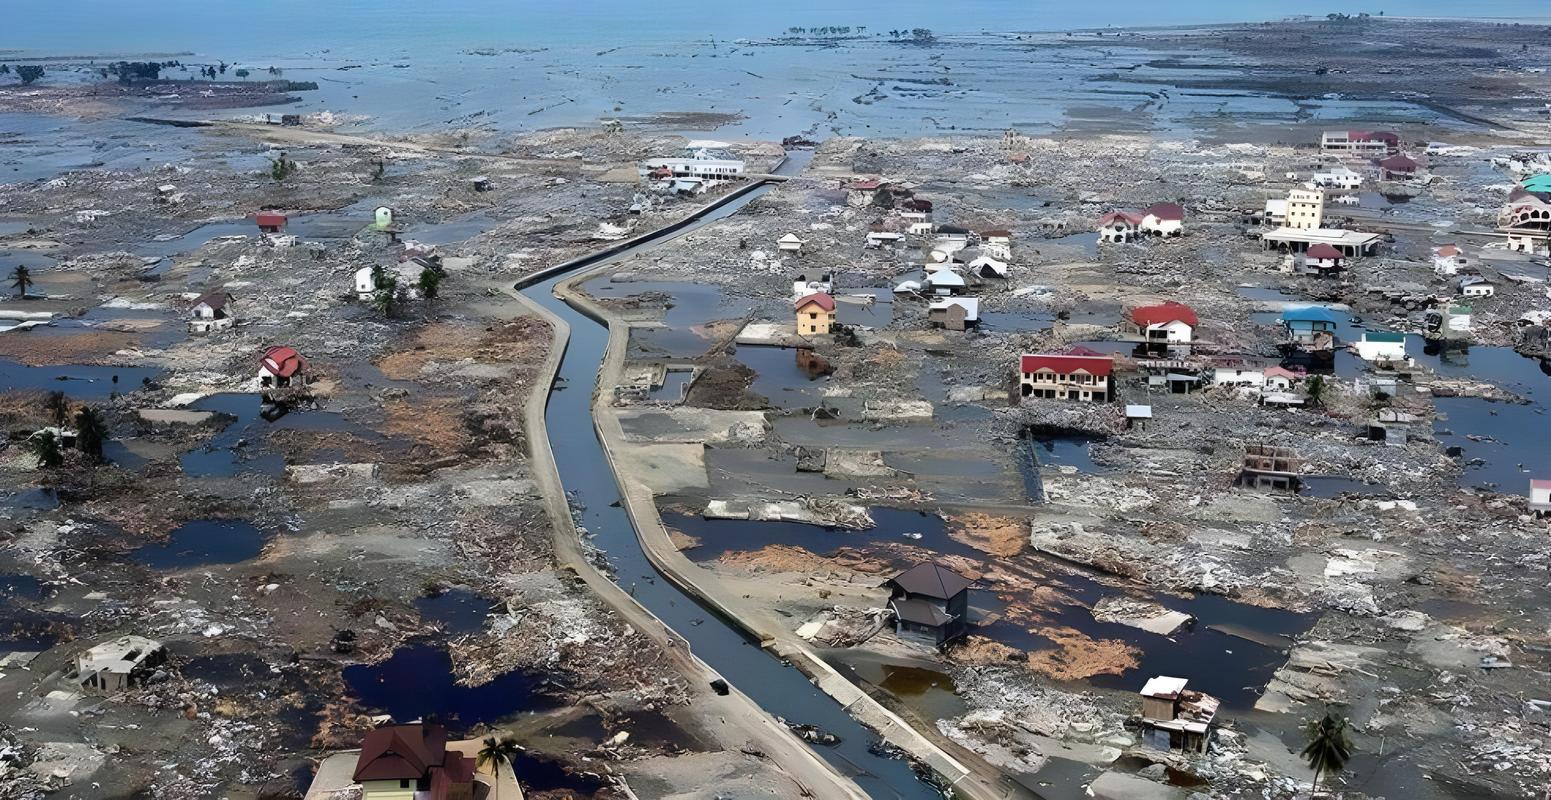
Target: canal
pixel 780 689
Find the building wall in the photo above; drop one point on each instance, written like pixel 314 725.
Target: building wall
pixel 814 321
pixel 1305 209
pixel 1052 386
pixel 386 790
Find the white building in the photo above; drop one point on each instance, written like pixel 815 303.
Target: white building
pixel 1342 178
pixel 1119 226
pixel 945 282
pixel 1381 346
pixel 877 239
pixel 1448 259
pixel 408 275
pixel 1239 374
pixel 987 267
pixel 1305 209
pixel 790 243
pixel 1368 144
pixel 1540 496
pixel 117 664
pixel 212 311
pixel 997 244
pixel 1476 286
pixel 804 285
pixel 1163 219
pixel 1276 211
pixel 700 159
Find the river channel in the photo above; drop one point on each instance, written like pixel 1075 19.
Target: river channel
pixel 585 472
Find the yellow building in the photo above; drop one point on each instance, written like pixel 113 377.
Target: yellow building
pixel 815 314
pixel 1305 209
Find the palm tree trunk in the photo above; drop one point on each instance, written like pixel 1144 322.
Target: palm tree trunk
pixel 1315 789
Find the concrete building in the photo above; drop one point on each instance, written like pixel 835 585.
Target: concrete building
pixel 1340 178
pixel 117 665
pixel 1163 219
pixel 413 762
pixel 702 160
pixel 1476 286
pixel 954 313
pixel 1275 212
pixel 1269 467
pixel 1305 209
pixel 815 314
pixel 930 604
pixel 1447 321
pixel 1368 144
pixel 1311 326
pixel 1079 375
pixel 1177 718
pixel 212 311
pixel 790 243
pixel 1448 260
pixel 1297 240
pixel 997 243
pixel 1168 323
pixel 1119 226
pixel 1381 346
pixel 1540 496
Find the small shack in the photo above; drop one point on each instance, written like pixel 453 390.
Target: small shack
pixel 281 367
pixel 930 604
pixel 212 311
pixel 118 664
pixel 790 243
pixel 1177 718
pixel 954 313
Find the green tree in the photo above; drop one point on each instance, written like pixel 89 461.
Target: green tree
pixel 58 407
pixel 45 448
pixel 1317 390
pixel 242 73
pixel 430 283
pixel 91 433
pixel 1329 747
pixel 21 280
pixel 281 168
pixel 28 73
pixel 495 753
pixel 387 299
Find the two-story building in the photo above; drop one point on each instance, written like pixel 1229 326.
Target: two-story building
pixel 930 604
pixel 815 314
pixel 1166 323
pixel 1075 375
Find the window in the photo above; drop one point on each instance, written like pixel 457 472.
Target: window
pixel 813 315
pixel 403 783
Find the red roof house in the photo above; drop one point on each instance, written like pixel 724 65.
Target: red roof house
pixel 1399 165
pixel 1374 136
pixel 280 365
pixel 1163 314
pixel 865 185
pixel 1061 364
pixel 270 221
pixel 1448 251
pixel 820 299
pixel 1130 218
pixel 1166 211
pixel 1324 252
pixel 416 753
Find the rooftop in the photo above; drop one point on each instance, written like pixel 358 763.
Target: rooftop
pixel 930 580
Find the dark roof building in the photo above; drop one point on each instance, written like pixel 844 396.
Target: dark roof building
pixel 930 604
pixel 413 757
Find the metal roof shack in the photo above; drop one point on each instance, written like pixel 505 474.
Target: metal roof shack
pixel 269 221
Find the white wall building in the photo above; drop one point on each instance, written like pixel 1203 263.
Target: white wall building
pixel 702 159
pixel 1305 209
pixel 1448 259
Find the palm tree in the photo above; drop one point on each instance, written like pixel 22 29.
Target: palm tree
pixel 495 753
pixel 21 280
pixel 91 431
pixel 1316 390
pixel 45 447
pixel 58 407
pixel 430 283
pixel 1329 748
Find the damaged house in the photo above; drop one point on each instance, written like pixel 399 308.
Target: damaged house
pixel 930 604
pixel 117 664
pixel 281 367
pixel 954 313
pixel 212 311
pixel 1176 718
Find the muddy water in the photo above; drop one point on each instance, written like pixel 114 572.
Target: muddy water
pixel 1245 644
pixel 85 383
pixel 585 471
pixel 203 542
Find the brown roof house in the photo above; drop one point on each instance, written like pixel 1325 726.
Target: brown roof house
pixel 815 314
pixel 212 311
pixel 1177 718
pixel 930 604
pixel 412 762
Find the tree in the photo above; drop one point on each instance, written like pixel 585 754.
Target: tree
pixel 1317 390
pixel 281 168
pixel 21 280
pixel 242 73
pixel 430 283
pixel 495 753
pixel 1329 748
pixel 91 432
pixel 57 404
pixel 45 448
pixel 387 299
pixel 28 73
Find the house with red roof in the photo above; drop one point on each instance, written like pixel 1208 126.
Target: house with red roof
pixel 270 221
pixel 1170 322
pixel 1323 258
pixel 1073 375
pixel 1119 226
pixel 1163 219
pixel 400 762
pixel 815 314
pixel 1398 167
pixel 1540 496
pixel 280 367
pixel 861 193
pixel 1448 259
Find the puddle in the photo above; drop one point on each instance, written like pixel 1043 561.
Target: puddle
pixel 1064 450
pixel 457 611
pixel 785 376
pixel 202 542
pixel 234 450
pixel 537 774
pixel 23 586
pixel 1330 486
pixel 1240 666
pixel 39 498
pixel 1016 321
pixel 454 231
pixel 871 308
pixel 418 680
pixel 675 385
pixel 84 383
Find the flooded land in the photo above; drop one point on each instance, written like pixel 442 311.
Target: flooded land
pixel 997 431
